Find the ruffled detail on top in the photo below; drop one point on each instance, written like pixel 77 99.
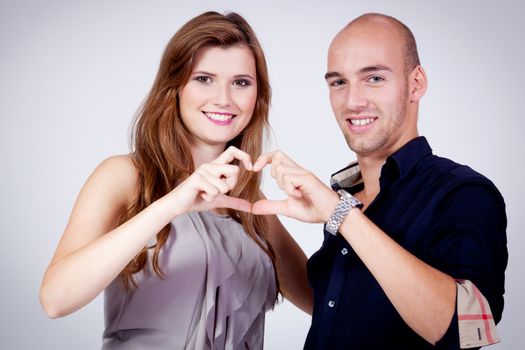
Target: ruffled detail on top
pixel 217 287
pixel 238 289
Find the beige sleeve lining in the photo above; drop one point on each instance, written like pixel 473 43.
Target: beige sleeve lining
pixel 475 321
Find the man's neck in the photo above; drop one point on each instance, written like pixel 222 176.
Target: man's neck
pixel 370 168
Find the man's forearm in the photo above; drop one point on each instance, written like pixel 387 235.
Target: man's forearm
pixel 423 296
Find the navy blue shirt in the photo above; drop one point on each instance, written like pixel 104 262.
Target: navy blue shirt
pixel 446 214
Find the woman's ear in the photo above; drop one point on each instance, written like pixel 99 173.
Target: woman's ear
pixel 417 83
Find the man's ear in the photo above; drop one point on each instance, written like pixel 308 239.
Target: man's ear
pixel 417 83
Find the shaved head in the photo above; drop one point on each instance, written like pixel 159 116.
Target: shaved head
pixel 411 56
pixel 375 83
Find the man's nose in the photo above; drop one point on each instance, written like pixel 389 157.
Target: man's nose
pixel 356 99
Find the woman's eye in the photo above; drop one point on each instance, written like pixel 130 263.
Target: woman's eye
pixel 242 82
pixel 203 79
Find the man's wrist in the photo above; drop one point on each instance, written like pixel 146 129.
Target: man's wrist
pixel 331 204
pixel 345 205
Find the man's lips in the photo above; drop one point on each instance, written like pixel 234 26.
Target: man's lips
pixel 360 124
pixel 361 120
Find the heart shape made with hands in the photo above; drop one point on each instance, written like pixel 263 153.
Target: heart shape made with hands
pixel 308 199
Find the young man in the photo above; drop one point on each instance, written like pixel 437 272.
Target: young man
pixel 414 253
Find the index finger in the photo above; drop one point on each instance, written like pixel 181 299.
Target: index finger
pixel 224 201
pixel 270 207
pixel 232 153
pixel 263 159
pixel 268 158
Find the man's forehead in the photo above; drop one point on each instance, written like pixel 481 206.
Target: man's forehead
pixel 360 49
pixel 369 54
pixel 370 33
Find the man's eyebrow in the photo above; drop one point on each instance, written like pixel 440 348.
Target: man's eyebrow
pixel 364 70
pixel 331 75
pixel 376 68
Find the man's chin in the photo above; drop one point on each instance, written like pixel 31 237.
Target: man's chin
pixel 363 148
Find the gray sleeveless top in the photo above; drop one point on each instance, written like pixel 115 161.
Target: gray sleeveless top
pixel 218 285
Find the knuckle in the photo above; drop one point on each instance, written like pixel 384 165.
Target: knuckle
pixel 229 185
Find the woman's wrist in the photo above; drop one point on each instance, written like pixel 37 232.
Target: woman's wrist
pixel 167 207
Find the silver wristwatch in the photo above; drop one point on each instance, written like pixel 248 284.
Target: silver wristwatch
pixel 342 208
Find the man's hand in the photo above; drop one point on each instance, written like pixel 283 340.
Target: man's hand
pixel 309 200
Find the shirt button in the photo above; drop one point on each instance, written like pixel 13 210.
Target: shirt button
pixel 331 303
pixel 344 251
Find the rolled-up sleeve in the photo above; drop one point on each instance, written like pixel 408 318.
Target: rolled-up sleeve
pixel 469 244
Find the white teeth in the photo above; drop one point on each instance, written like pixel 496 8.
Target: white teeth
pixel 361 122
pixel 219 117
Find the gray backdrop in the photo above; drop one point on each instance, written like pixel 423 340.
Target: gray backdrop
pixel 73 73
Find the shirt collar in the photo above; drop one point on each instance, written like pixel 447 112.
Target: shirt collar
pixel 406 158
pixel 348 177
pixel 398 164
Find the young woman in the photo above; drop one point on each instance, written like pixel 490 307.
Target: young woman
pixel 166 231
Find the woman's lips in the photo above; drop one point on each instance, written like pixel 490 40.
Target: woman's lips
pixel 220 118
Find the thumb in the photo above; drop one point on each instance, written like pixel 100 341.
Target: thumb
pixel 270 207
pixel 223 201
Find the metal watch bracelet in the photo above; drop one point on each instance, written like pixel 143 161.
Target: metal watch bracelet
pixel 341 210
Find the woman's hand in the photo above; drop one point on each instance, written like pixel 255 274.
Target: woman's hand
pixel 209 184
pixel 93 245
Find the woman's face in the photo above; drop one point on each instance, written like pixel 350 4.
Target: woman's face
pixel 217 102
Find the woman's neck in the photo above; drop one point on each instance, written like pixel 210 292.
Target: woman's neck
pixel 203 153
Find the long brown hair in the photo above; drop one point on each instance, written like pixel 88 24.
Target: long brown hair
pixel 160 141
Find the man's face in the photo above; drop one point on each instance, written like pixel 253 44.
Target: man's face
pixel 368 88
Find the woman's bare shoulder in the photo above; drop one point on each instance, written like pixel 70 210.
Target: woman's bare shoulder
pixel 119 175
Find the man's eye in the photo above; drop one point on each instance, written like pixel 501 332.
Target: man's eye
pixel 375 79
pixel 337 83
